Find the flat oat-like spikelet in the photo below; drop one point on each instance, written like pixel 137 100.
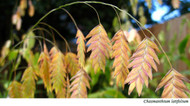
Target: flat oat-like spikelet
pixel 58 72
pixel 80 47
pixel 120 53
pixel 143 60
pixel 173 85
pixel 68 87
pixel 72 63
pixel 29 85
pixel 31 9
pixel 100 45
pixel 44 66
pixel 15 90
pixel 79 84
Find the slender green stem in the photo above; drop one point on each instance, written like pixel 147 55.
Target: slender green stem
pixel 14 74
pixel 21 68
pixel 19 43
pixel 43 29
pixel 66 43
pixel 154 38
pixel 5 66
pixel 53 10
pixel 62 6
pixel 41 48
pixel 137 22
pixel 43 18
pixel 97 2
pixel 161 49
pixel 71 17
pixel 42 33
pixel 95 11
pixel 119 19
pixel 142 30
pixel 53 36
pixel 13 69
pixel 113 6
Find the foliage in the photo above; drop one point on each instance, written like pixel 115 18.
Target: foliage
pixel 108 93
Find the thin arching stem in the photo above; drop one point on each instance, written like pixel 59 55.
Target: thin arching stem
pixel 41 48
pixel 53 36
pixel 66 43
pixel 138 23
pixel 97 2
pixel 141 30
pixel 42 33
pixel 40 37
pixel 118 17
pixel 71 17
pixel 161 49
pixel 43 18
pixel 62 6
pixel 21 68
pixel 153 36
pixel 19 43
pixel 95 11
pixel 43 29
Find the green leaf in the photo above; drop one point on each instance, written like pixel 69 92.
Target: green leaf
pixel 185 72
pixel 35 62
pixel 183 21
pixel 17 62
pixel 26 54
pixel 112 93
pixel 30 41
pixel 115 24
pixel 183 44
pixel 108 93
pixel 39 82
pixel 94 77
pixel 188 86
pixel 18 75
pixel 186 60
pixel 29 56
pixel 161 37
pixel 13 54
